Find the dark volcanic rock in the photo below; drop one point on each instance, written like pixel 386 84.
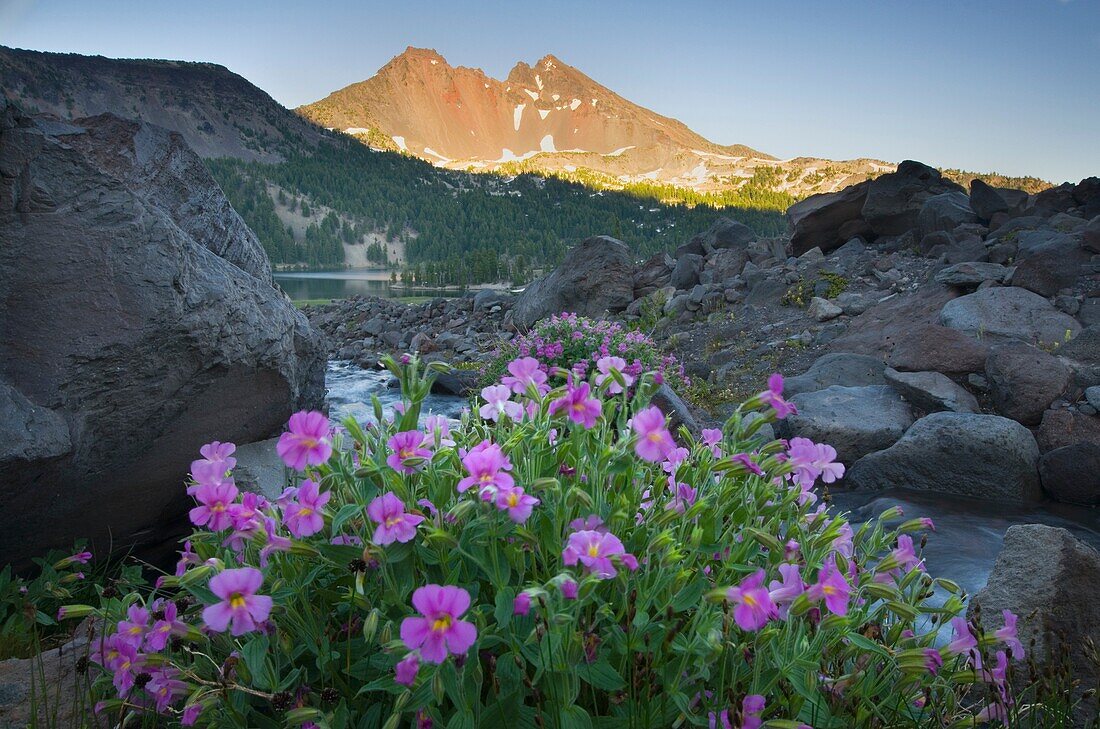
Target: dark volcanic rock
pixel 854 420
pixel 890 323
pixel 938 348
pixel 652 275
pixel 931 392
pixel 838 368
pixel 818 220
pixel 945 212
pixel 1024 380
pixel 986 200
pixel 894 201
pixel 979 456
pixel 1071 474
pixel 1008 312
pixel 139 323
pixel 725 233
pixel 1060 428
pixel 597 276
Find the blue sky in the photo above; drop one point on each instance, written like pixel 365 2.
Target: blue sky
pixel 1005 85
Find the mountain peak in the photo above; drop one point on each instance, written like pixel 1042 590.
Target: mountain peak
pixel 412 53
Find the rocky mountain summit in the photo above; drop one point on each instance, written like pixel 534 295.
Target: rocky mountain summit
pixel 551 117
pixel 140 317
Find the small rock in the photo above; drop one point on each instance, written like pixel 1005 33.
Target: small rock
pixel 823 310
pixel 968 275
pixel 1092 394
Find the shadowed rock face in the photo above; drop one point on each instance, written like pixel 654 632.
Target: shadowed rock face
pixel 139 322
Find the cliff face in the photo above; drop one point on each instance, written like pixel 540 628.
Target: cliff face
pixel 551 116
pixel 219 113
pixel 139 321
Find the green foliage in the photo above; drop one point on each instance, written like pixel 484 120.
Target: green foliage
pixel 801 291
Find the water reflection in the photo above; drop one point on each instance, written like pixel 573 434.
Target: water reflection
pixel 300 285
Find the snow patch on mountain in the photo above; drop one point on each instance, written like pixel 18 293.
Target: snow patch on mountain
pixel 547 143
pixel 543 113
pixel 400 142
pixel 517 115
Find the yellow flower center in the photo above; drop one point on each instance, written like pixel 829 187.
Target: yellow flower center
pixel 134 630
pixel 593 550
pixel 513 499
pixel 655 437
pixel 486 477
pixel 829 590
pixel 309 442
pixel 236 601
pixel 443 622
pixel 749 600
pixel 394 520
pixel 218 508
pixel 305 511
pixel 407 453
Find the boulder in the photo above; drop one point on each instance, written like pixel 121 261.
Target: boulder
pixel 932 347
pixel 971 274
pixel 986 200
pixel 1060 428
pixel 723 265
pixel 488 298
pixel 1082 355
pixel 140 322
pixel 1086 194
pixel 653 275
pixel 818 220
pixel 931 392
pixel 1052 200
pixel 596 276
pixel 723 234
pixel 1090 236
pixel 49 690
pixel 838 368
pixel 1024 380
pixel 854 420
pixel 965 454
pixel 1071 474
pixel 260 469
pixel 1051 581
pixel 945 212
pixel 685 274
pixel 675 408
pixel 822 309
pixel 890 322
pixel 1047 261
pixel 1008 312
pixel 457 382
pixel 894 201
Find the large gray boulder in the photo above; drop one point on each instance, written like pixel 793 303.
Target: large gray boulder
pixel 854 420
pixel 725 233
pixel 932 347
pixel 139 322
pixel 597 276
pixel 1048 261
pixel 653 275
pixel 1051 581
pixel 978 456
pixel 1024 380
pixel 838 368
pixel 945 212
pixel 1008 312
pixel 894 201
pixel 817 221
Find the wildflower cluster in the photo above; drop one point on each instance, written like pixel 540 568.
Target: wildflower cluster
pixel 559 557
pixel 589 347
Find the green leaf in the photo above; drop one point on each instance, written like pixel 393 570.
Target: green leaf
pixel 254 654
pixel 574 717
pixel 346 512
pixel 600 675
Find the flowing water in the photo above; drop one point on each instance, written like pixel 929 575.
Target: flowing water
pixel 968 535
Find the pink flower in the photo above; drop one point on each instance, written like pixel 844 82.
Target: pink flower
pixel 754 606
pixel 578 406
pixel 784 593
pixel 440 632
pixel 773 397
pixel 525 373
pixel 409 453
pixel 963 640
pixel 751 708
pixel 240 605
pixel 394 524
pixel 654 441
pixel 166 687
pixel 439 428
pixel 569 589
pixel 594 550
pixel 746 460
pixel 406 669
pixel 933 661
pixel 133 629
pixel 486 464
pixel 516 502
pixel 187 558
pixel 1008 635
pixel 832 587
pixel 522 604
pixel 213 509
pixel 813 460
pixel 497 404
pixel 711 438
pixel 608 365
pixel 306 442
pixel 80 557
pixel 191 714
pixel 305 517
pixel 683 496
pixel 590 523
pixel 275 542
pixel 165 627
